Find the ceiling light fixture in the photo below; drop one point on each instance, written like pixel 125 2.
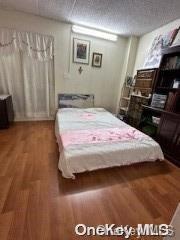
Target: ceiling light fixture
pixel 94 33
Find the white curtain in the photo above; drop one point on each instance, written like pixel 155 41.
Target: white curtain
pixel 35 45
pixel 27 74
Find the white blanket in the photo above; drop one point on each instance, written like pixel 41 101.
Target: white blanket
pixel 93 138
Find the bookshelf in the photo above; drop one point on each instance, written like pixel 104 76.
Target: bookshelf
pixel 141 94
pixel 125 100
pixel 167 84
pixel 168 80
pixel 169 67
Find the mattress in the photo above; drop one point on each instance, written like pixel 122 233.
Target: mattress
pixel 93 138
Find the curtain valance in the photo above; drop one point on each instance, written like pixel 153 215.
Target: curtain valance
pixel 36 45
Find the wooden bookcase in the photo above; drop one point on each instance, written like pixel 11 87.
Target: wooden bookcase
pixel 141 94
pixel 168 79
pixel 167 82
pixel 145 81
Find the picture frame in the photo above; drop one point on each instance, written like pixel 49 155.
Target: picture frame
pixel 176 41
pixel 81 51
pixel 159 43
pixel 97 60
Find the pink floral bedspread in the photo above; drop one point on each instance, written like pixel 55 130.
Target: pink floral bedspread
pixel 93 136
pixel 87 116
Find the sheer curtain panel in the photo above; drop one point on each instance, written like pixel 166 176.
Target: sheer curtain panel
pixel 27 73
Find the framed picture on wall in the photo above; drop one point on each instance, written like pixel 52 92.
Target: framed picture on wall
pixel 176 41
pixel 81 50
pixel 97 60
pixel 159 43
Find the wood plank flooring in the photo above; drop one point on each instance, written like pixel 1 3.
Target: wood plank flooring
pixel 36 203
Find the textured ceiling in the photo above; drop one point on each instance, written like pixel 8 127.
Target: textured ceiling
pixel 125 17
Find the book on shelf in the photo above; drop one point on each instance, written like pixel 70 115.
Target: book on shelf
pixel 177 103
pixel 178 63
pixel 169 102
pixel 172 103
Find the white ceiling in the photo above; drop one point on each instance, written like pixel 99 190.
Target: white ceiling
pixel 125 17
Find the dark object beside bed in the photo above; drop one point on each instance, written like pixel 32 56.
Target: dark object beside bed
pixel 6 111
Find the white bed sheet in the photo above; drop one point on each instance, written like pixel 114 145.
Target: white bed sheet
pixel 77 156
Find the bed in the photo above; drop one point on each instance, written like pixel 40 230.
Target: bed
pixel 92 138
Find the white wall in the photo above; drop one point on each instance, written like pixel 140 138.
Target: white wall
pixel 128 65
pixel 103 82
pixel 146 40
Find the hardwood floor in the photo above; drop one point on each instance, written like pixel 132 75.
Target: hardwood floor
pixel 36 203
